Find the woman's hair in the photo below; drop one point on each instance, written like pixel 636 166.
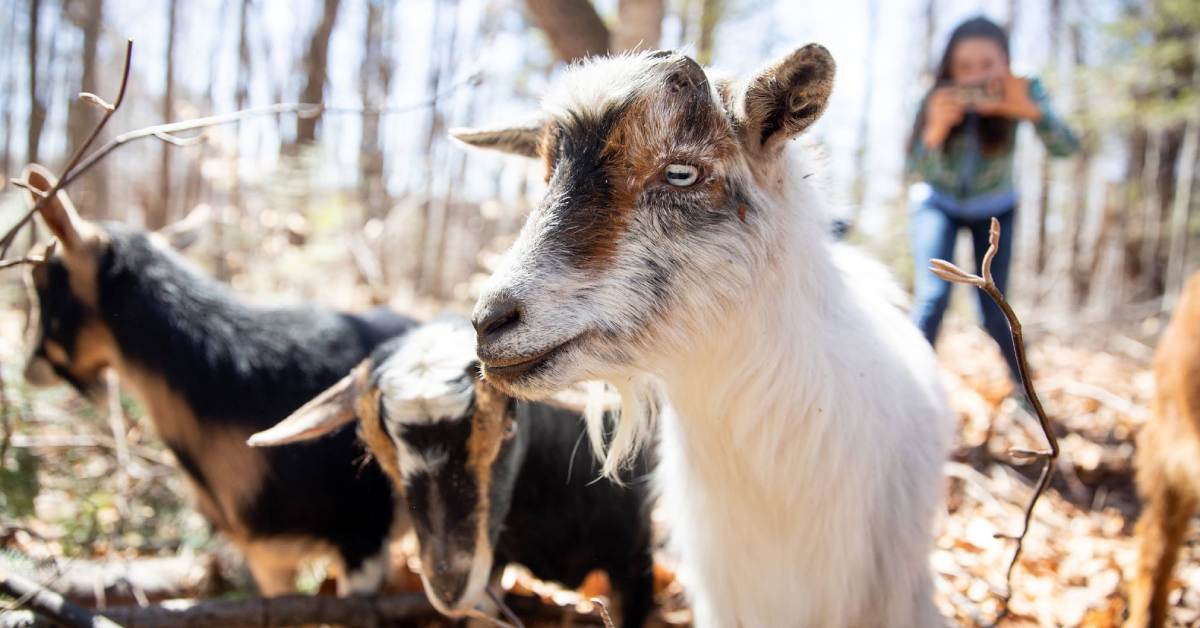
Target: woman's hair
pixel 994 131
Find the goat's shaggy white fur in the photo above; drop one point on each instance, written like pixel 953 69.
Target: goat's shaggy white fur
pixel 804 427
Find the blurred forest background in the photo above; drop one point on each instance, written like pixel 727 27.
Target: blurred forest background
pixel 371 203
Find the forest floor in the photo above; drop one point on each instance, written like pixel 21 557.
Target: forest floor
pixel 70 492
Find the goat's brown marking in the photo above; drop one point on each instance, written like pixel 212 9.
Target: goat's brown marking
pixel 232 470
pixel 488 426
pixel 1168 461
pixel 548 148
pixel 371 429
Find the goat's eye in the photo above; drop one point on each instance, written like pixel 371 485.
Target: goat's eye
pixel 682 175
pixel 510 430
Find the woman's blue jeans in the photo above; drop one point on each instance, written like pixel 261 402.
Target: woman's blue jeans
pixel 933 235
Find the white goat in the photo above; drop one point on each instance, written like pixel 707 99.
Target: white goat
pixel 680 251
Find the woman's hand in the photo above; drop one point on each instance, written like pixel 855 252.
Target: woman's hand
pixel 943 112
pixel 1014 101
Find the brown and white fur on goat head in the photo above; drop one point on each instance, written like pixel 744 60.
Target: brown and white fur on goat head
pixel 681 254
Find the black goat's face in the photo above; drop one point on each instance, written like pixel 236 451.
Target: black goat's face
pixel 458 475
pixel 71 340
pixel 449 440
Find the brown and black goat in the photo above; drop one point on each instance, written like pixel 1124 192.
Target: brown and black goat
pixel 1168 461
pixel 488 479
pixel 210 370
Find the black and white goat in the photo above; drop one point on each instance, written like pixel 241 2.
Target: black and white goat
pixel 488 479
pixel 210 370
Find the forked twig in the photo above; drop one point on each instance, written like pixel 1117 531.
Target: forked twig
pixel 109 110
pixel 603 610
pixel 954 274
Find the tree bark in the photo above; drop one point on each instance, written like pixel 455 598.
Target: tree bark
pixel 1180 213
pixel 1081 278
pixel 37 110
pixel 639 25
pixel 82 117
pixel 160 213
pixel 711 12
pixel 862 139
pixel 376 78
pixel 574 28
pixel 316 64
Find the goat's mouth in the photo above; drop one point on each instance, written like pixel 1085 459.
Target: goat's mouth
pixel 508 370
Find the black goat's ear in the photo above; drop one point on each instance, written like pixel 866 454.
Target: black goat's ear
pixel 185 232
pixel 785 98
pixel 324 414
pixel 520 138
pixel 59 212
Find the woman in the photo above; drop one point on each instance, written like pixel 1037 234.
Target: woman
pixel 962 152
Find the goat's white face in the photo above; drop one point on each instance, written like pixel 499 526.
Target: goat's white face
pixel 657 178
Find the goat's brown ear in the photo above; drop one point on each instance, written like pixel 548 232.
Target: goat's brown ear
pixel 786 97
pixel 185 232
pixel 59 213
pixel 325 413
pixel 521 138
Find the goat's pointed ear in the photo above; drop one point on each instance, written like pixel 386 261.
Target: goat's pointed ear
pixel 325 413
pixel 59 212
pixel 185 232
pixel 785 98
pixel 521 138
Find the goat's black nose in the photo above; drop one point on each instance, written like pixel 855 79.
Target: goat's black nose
pixel 495 317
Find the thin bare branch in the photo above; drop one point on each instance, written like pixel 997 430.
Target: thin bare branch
pixel 950 272
pixel 11 234
pixel 175 140
pixel 603 609
pixel 28 188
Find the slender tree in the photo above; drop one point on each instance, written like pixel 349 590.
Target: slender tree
pixel 573 27
pixel 87 16
pixel 316 64
pixel 161 209
pixel 37 109
pixel 639 25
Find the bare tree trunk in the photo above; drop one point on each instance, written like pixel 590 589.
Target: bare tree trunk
pixel 440 208
pixel 432 87
pixel 639 25
pixel 160 211
pixel 316 64
pixel 685 20
pixel 1152 210
pixel 711 12
pixel 927 43
pixel 859 192
pixel 1044 208
pixel 574 28
pixel 10 87
pixel 1181 212
pixel 1080 278
pixel 37 110
pixel 375 80
pixel 241 95
pixel 82 117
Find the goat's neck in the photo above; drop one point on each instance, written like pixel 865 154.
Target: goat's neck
pixel 764 372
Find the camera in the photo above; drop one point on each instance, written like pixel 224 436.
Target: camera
pixel 975 94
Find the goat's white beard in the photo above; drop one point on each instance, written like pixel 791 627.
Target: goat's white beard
pixel 641 397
